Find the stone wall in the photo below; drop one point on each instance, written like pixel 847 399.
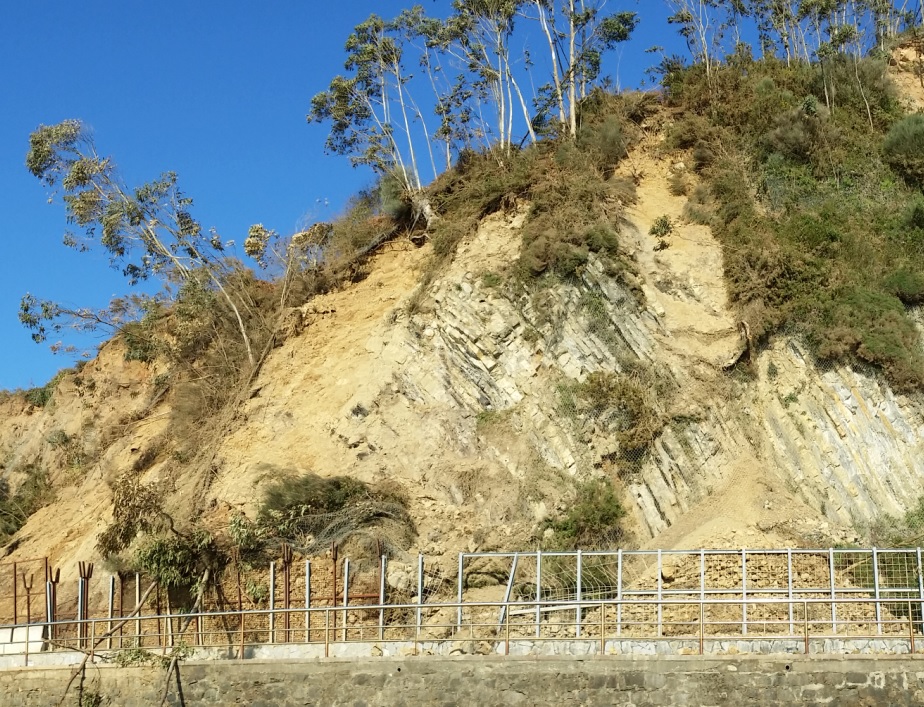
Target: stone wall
pixel 491 681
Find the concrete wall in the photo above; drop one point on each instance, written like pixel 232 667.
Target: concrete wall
pixel 493 681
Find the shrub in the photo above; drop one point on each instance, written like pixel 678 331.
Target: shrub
pixel 907 285
pixel 33 493
pixel 662 227
pixel 592 521
pixel 678 185
pixel 311 511
pixel 622 406
pixel 903 149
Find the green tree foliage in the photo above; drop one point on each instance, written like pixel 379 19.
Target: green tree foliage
pixel 468 65
pixel 368 110
pixel 148 231
pixel 577 34
pixel 178 561
pixel 819 234
pixel 593 520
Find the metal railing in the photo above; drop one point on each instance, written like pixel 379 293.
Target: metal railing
pixel 605 626
pixel 701 595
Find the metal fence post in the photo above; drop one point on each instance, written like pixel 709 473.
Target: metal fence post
pixel 111 602
pixel 538 592
pixel 920 583
pixel 459 611
pixel 876 589
pixel 792 625
pixel 382 570
pixel 833 592
pixel 702 590
pixel 507 633
pixel 307 601
pixel 272 602
pixel 660 590
pixel 702 627
pixel 580 595
pixel 619 592
pixel 80 617
pixel 910 630
pixel 805 626
pixel 140 610
pixel 602 628
pixel 420 588
pixel 49 612
pixel 744 592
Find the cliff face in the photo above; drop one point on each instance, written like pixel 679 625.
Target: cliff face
pixel 470 401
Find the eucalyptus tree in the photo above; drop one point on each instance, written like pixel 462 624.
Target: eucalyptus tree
pixel 701 29
pixel 577 34
pixel 369 108
pixel 477 35
pixel 148 231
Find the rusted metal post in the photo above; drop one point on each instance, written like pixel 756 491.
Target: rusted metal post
pixel 111 610
pixel 805 627
pixel 85 570
pixel 51 601
pixel 327 632
pixel 602 629
pixel 910 630
pixel 307 601
pixel 121 607
pixel 346 594
pixel 27 586
pixel 702 625
pixel 333 562
pixel 240 655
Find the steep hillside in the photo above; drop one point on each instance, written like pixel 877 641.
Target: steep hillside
pixel 486 402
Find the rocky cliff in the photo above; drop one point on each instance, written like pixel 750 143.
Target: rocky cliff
pixel 467 395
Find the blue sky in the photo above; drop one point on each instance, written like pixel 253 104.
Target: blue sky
pixel 215 91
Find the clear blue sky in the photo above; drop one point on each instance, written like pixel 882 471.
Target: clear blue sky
pixel 215 91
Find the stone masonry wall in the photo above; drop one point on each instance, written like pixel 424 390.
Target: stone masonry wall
pixel 488 681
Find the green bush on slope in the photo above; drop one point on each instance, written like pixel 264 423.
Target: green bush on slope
pixel 817 231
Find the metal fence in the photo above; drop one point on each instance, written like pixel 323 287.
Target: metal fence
pixel 737 577
pixel 603 627
pixel 689 600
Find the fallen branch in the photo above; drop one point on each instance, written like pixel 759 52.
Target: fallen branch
pixel 197 607
pixel 88 655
